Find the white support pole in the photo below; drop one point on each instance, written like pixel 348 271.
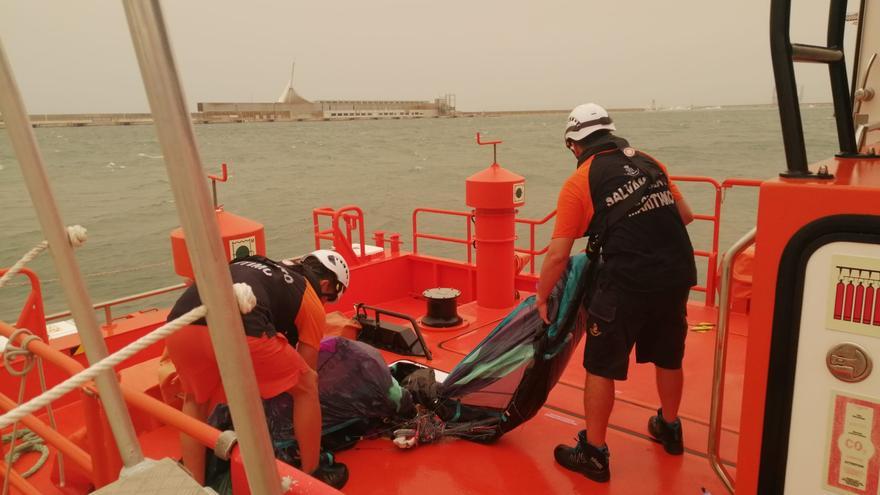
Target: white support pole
pixel 25 144
pixel 199 222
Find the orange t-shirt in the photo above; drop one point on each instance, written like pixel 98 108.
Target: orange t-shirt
pixel 310 319
pixel 574 208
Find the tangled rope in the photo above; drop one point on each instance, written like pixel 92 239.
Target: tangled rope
pixel 31 441
pixel 96 369
pixel 244 296
pixel 10 353
pixel 76 235
pixel 13 351
pixel 28 442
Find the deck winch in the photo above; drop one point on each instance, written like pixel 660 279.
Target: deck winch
pixel 441 305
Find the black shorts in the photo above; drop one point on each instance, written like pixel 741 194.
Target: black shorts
pixel 655 322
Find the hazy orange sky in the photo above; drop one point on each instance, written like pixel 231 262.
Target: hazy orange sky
pixel 494 55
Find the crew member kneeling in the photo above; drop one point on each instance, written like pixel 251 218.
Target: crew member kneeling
pixel 289 313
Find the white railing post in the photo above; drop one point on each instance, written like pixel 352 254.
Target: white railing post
pixel 199 222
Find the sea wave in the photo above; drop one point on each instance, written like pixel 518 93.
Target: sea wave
pixel 384 172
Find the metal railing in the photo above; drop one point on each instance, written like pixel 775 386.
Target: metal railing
pixel 720 188
pixel 353 218
pixel 468 241
pixel 108 305
pixel 533 224
pixel 32 315
pixel 720 368
pixel 97 464
pixel 711 254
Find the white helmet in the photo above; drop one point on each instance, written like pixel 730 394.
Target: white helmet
pixel 334 262
pixel 586 119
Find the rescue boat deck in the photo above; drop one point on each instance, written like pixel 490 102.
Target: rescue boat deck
pixel 521 462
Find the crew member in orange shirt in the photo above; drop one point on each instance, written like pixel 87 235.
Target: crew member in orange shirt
pixel 284 334
pixel 641 290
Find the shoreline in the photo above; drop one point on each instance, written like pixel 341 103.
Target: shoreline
pixel 111 119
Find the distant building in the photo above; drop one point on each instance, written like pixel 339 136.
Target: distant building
pixel 292 106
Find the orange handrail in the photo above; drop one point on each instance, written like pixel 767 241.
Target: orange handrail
pixel 96 471
pixel 468 241
pixel 533 223
pixel 16 481
pixel 728 183
pixel 70 450
pixel 203 433
pixel 342 242
pixel 711 254
pixel 32 315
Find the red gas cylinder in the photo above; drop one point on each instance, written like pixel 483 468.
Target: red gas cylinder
pixel 495 193
pixel 241 237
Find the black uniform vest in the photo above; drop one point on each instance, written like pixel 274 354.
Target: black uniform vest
pixel 279 292
pixel 648 249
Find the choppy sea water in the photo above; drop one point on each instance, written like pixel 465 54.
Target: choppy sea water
pixel 113 181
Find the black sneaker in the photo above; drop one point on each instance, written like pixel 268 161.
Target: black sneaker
pixel 331 472
pixel 669 434
pixel 583 458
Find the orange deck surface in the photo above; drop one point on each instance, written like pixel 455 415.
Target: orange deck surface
pixel 522 462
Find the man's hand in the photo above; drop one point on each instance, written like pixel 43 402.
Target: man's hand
pixel 542 310
pixel 554 264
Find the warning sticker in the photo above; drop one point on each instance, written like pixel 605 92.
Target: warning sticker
pixel 519 193
pixel 853 462
pixel 853 302
pixel 239 248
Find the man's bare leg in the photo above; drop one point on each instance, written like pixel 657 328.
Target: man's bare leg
pixel 598 403
pixel 669 386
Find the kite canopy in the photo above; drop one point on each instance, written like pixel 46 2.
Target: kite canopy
pixel 506 379
pixel 500 384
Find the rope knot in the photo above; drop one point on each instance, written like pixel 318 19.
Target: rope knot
pixel 30 442
pixel 245 297
pixel 12 351
pixel 77 234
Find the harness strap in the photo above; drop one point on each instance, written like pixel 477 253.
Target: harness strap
pixel 597 231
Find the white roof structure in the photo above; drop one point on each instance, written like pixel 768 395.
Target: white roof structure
pixel 289 95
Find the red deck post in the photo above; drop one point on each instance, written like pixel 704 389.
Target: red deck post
pixel 395 243
pixel 379 238
pixel 494 193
